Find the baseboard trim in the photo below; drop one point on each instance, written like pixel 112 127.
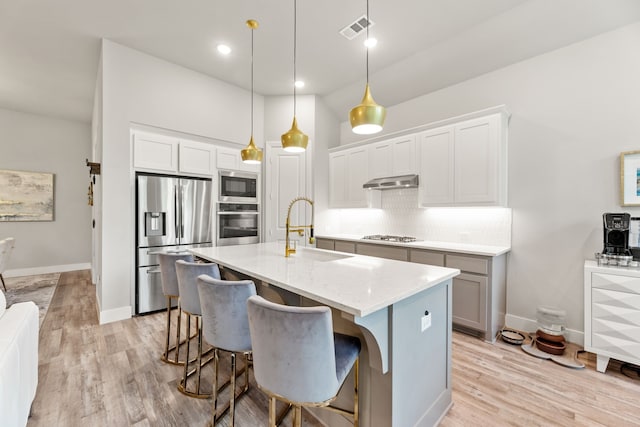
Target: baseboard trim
pixel 18 272
pixel 530 325
pixel 115 314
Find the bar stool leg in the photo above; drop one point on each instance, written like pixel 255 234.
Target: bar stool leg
pixel 186 363
pixel 175 359
pixel 214 411
pixel 272 411
pixel 297 416
pixel 232 403
pixel 356 373
pixel 199 362
pixel 165 356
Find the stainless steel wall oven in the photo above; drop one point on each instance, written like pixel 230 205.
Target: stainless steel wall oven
pixel 238 223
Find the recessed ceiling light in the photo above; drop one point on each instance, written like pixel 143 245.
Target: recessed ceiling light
pixel 371 42
pixel 299 83
pixel 224 49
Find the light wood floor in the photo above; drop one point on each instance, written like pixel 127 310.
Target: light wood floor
pixel 111 375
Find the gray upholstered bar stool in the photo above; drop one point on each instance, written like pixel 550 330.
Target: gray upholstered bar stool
pixel 187 273
pixel 297 358
pixel 170 290
pixel 225 326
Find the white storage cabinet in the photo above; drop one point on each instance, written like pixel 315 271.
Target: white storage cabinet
pixel 159 153
pixel 464 164
pixel 611 314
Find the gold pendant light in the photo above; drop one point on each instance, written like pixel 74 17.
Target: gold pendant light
pixel 294 141
pixel 251 154
pixel 367 117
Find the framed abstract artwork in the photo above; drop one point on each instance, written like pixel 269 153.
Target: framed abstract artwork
pixel 26 196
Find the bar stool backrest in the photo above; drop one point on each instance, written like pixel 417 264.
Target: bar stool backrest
pixel 225 323
pixel 293 350
pixel 187 273
pixel 168 272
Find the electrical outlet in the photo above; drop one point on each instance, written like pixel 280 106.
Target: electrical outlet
pixel 426 321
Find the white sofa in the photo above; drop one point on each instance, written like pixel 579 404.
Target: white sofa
pixel 19 327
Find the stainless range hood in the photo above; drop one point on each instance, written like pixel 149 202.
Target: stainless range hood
pixel 392 182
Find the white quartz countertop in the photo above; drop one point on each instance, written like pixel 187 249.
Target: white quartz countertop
pixel 356 284
pixel 463 248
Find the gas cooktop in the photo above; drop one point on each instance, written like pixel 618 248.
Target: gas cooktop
pixel 390 238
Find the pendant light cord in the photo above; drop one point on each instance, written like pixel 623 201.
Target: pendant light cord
pixel 295 27
pixel 252 30
pixel 368 24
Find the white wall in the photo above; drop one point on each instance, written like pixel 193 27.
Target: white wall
pixel 574 111
pixel 42 144
pixel 140 89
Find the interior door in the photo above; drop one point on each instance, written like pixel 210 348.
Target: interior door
pixel 286 179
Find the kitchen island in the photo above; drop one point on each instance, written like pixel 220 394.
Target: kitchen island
pixel 401 310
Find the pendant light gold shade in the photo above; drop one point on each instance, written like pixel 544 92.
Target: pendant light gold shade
pixel 294 141
pixel 367 117
pixel 251 154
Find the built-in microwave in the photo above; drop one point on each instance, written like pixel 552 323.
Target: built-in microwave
pixel 238 187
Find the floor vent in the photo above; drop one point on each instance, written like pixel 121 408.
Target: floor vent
pixel 356 27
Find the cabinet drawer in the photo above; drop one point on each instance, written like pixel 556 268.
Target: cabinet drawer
pixel 426 257
pixel 381 251
pixel 615 323
pixel 345 247
pixel 325 244
pixel 616 283
pixel 468 263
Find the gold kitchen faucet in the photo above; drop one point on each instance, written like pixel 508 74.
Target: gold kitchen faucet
pixel 297 228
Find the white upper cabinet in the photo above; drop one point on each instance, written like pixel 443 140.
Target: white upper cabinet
pixel 436 166
pixel 348 171
pixel 393 157
pixel 159 153
pixel 464 164
pixel 155 152
pixel 196 157
pixel 229 159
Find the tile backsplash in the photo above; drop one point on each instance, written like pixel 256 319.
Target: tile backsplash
pixel 400 215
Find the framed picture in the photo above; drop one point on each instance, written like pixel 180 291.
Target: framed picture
pixel 630 178
pixel 26 196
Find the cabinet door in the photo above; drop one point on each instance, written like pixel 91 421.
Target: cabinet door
pixel 436 148
pixel 380 160
pixel 337 179
pixel 155 152
pixel 196 158
pixel 393 157
pixel 404 155
pixel 470 301
pixel 229 159
pixel 476 161
pixel 357 175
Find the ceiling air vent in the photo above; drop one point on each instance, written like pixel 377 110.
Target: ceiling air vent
pixel 356 27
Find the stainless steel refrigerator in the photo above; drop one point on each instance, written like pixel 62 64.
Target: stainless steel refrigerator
pixel 173 214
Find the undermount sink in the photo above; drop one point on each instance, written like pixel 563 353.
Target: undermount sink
pixel 323 256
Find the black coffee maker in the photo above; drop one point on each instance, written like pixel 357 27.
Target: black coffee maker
pixel 616 233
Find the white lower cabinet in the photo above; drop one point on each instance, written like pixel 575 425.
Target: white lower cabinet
pixel 612 314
